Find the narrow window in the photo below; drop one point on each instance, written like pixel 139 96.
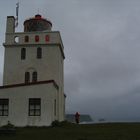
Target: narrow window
pixel 4 107
pixel 34 107
pixel 39 53
pixel 47 38
pixel 34 76
pixel 26 39
pixel 55 107
pixel 23 53
pixel 27 77
pixel 36 38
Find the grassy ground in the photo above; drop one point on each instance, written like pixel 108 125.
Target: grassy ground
pixel 116 131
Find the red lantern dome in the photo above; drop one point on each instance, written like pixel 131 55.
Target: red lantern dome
pixel 37 23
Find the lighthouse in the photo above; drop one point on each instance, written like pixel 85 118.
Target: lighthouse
pixel 33 79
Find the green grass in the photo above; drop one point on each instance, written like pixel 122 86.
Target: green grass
pixel 110 131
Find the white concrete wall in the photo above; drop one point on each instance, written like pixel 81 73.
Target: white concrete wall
pixel 19 104
pixel 54 36
pixel 49 67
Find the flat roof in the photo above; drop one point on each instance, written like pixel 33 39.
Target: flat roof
pixel 30 84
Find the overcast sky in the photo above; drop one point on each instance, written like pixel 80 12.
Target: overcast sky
pixel 102 48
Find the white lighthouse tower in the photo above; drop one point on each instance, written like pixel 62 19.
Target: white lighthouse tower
pixel 33 83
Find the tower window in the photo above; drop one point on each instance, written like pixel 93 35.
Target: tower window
pixel 4 107
pixel 26 39
pixel 34 76
pixel 36 38
pixel 27 77
pixel 39 53
pixel 23 53
pixel 34 107
pixel 47 38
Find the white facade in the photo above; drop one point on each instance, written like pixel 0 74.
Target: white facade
pixel 18 104
pixel 48 68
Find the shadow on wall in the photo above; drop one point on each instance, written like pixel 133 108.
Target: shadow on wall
pixel 1 79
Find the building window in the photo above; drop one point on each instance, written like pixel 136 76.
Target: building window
pixel 34 107
pixel 27 77
pixel 39 53
pixel 34 76
pixel 26 39
pixel 47 38
pixel 4 105
pixel 55 107
pixel 23 53
pixel 36 38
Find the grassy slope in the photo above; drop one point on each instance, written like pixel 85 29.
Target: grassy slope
pixel 124 131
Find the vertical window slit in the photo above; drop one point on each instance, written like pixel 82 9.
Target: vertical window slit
pixel 23 53
pixel 27 77
pixel 34 77
pixel 39 53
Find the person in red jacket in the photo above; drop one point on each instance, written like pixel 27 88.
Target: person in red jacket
pixel 77 117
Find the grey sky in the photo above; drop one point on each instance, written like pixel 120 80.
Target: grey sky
pixel 102 46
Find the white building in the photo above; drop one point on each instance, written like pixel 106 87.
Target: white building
pixel 33 86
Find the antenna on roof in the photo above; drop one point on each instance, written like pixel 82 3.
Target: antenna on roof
pixel 17 11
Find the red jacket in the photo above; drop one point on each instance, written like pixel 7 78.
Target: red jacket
pixel 77 115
